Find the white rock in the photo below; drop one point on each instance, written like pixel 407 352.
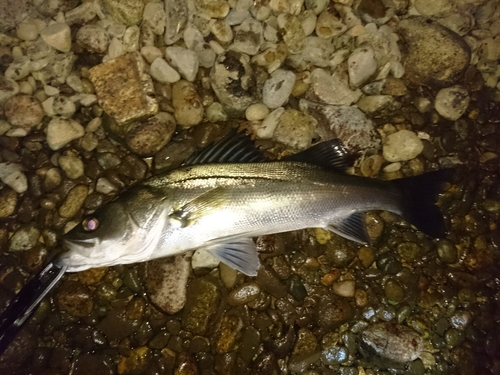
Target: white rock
pixel 17 132
pixel 266 128
pixel 344 288
pixel 104 186
pixel 393 167
pixel 71 165
pixel 74 82
pixel 203 259
pixel 12 175
pixel 256 112
pixel 162 72
pixel 401 146
pixel 48 106
pixel 58 36
pixel 236 17
pixel 185 60
pixel 50 90
pixel 332 89
pixel 277 89
pixel 19 68
pixel 27 31
pixel 452 102
pixel 151 53
pixel 308 20
pixel 361 65
pixel 154 16
pixel 248 37
pixel 318 51
pixel 61 131
pixel 424 105
pixel 63 106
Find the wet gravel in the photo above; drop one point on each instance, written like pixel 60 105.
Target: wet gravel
pixel 320 304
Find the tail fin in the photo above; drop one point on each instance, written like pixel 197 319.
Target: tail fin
pixel 26 301
pixel 419 195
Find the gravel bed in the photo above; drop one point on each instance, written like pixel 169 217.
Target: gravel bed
pixel 98 95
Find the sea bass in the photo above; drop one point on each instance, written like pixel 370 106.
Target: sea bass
pixel 220 206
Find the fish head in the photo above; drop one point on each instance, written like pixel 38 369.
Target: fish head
pixel 123 231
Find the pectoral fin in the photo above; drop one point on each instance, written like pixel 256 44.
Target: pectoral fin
pixel 352 227
pixel 199 207
pixel 239 254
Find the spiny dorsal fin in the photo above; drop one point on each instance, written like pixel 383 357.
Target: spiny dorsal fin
pixel 329 154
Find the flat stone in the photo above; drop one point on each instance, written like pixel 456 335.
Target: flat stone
pixel 58 36
pixel 149 136
pixel 25 238
pixel 436 56
pixel 331 89
pixel 401 146
pixel 124 80
pixel 61 131
pixel 278 88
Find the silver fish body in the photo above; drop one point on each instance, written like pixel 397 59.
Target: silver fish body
pixel 220 207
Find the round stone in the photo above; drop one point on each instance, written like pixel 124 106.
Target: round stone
pixel 256 112
pixel 187 103
pixel 71 165
pixel 23 110
pixel 27 31
pixel 61 131
pixel 452 102
pixel 163 72
pixel 401 146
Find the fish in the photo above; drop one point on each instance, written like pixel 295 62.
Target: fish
pixel 222 198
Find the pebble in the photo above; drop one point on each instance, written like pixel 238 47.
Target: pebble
pixel 344 288
pixel 401 146
pixel 248 37
pixel 75 299
pixel 222 31
pixel 19 69
pixel 460 22
pixel 318 51
pixel 349 124
pixel 23 110
pixel 184 60
pixel 151 53
pixel 27 31
pixel 329 26
pixel 187 103
pixel 361 65
pixel 266 128
pixel 215 112
pixel 203 259
pixel 72 166
pixel 378 105
pixel 162 72
pixel 81 14
pixel 61 131
pixel 151 135
pixel 333 311
pixel 175 21
pixel 25 238
pixel 392 341
pixel 8 202
pixel 154 16
pixel 434 8
pixel 12 175
pixel 277 88
pixel 256 112
pixel 436 56
pixel 93 38
pixel 295 129
pixel 447 251
pixel 73 201
pixel 126 12
pixel 331 89
pixel 8 88
pixel 57 36
pixel 293 36
pixel 63 106
pixel 104 186
pixel 452 102
pixel 213 8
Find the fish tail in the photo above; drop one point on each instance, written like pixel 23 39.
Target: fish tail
pixel 26 301
pixel 420 194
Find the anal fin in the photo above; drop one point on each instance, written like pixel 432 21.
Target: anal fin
pixel 239 254
pixel 352 227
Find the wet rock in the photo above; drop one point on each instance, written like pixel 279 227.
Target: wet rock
pixel 378 105
pixel 187 103
pixel 176 19
pixel 136 363
pixel 165 281
pixel 233 82
pixel 124 80
pixel 25 238
pixel 332 312
pixel 392 341
pixel 18 353
pixel 243 294
pixel 331 89
pixel 344 288
pixel 74 201
pixel 116 326
pixel 447 251
pixel 402 145
pixel 249 344
pixel 295 129
pixel 228 334
pixel 127 12
pixel 452 102
pixel 203 259
pixel 8 202
pixel 269 282
pixel 348 124
pixel 361 65
pixel 296 288
pixel 93 38
pixel 71 165
pixel 61 131
pixel 57 36
pixel 75 299
pixel 277 88
pixel 151 135
pixel 23 110
pixel 334 355
pixel 184 60
pixel 12 175
pixel 266 363
pixel 436 56
pixel 203 299
pixel 186 365
pixel 96 364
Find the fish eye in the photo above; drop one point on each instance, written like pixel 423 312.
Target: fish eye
pixel 90 224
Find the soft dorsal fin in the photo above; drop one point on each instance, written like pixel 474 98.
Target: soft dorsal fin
pixel 235 147
pixel 329 154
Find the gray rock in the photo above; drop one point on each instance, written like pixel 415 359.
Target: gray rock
pixel 185 61
pixel 452 102
pixel 21 67
pixel 331 89
pixel 233 82
pixel 392 341
pixel 248 37
pixel 71 165
pixel 81 14
pixel 436 56
pixel 361 65
pixel 318 51
pixel 57 69
pixel 278 88
pixel 57 36
pixel 8 87
pixel 349 124
pixel 459 22
pixel 162 72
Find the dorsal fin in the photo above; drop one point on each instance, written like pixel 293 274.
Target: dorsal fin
pixel 329 154
pixel 235 147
